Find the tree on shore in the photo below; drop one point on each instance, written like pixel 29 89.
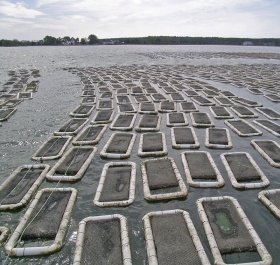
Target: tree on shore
pixel 83 41
pixel 92 39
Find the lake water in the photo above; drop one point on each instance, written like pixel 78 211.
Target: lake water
pixel 59 93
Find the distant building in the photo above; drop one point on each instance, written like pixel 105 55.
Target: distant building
pixel 110 42
pixel 248 43
pixel 69 42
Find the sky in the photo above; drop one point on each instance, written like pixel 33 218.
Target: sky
pixel 34 19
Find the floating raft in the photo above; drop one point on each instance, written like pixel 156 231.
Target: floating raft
pixel 103 116
pixel 104 104
pixel 247 102
pixel 82 111
pixel 167 106
pixel 148 123
pixel 47 218
pixel 201 119
pixel 270 150
pixel 176 119
pixel 123 122
pixel 152 144
pixel 119 145
pixel 218 138
pixel 162 179
pixel 127 108
pixel 269 113
pixel 171 239
pixel 4 233
pixel 53 148
pixel 202 101
pixel 206 175
pixel 117 185
pixel 271 199
pixel 243 128
pixel 243 171
pixel 243 112
pixel 6 113
pixel 188 107
pixel 88 101
pixel 273 97
pixel 184 138
pixel 90 135
pixel 71 127
pixel 224 101
pixel 220 112
pixel 228 229
pixel 147 108
pixel 103 240
pixel 17 189
pixel 72 166
pixel 270 126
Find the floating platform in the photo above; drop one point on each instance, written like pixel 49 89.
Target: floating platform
pixel 71 127
pixel 201 119
pixel 176 119
pixel 72 166
pixel 188 107
pixel 119 145
pixel 4 233
pixel 243 171
pixel 82 111
pixel 247 102
pixel 202 101
pixel 47 217
pixel 184 138
pixel 269 113
pixel 147 108
pixel 123 122
pixel 117 185
pixel 273 97
pixel 270 126
pixel 224 101
pixel 271 199
pixel 105 104
pixel 243 128
pixel 152 144
pixel 220 112
pixel 228 229
pixel 206 176
pixel 148 123
pixel 103 240
pixel 52 148
pixel 243 112
pixel 127 108
pixel 162 180
pixel 6 113
pixel 103 116
pixel 167 106
pixel 270 150
pixel 88 101
pixel 171 239
pixel 218 138
pixel 17 189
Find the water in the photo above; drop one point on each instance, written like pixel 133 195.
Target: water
pixel 59 93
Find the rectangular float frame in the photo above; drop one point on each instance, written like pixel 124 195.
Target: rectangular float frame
pixel 189 110
pixel 83 115
pixel 203 125
pixel 128 128
pixel 148 129
pixel 57 133
pixel 10 114
pixel 164 111
pixel 272 207
pixel 254 115
pixel 99 108
pixel 210 103
pixel 168 124
pixel 257 133
pixel 266 115
pixel 182 146
pixel 267 128
pixel 148 111
pixel 218 146
pixel 230 116
pixel 102 122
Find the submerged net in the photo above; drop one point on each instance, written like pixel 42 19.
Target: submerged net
pixel 88 100
pixel 177 96
pixel 5 112
pixel 123 99
pixel 149 121
pixel 90 134
pixel 224 100
pixel 176 118
pixel 274 198
pixel 160 174
pixel 148 107
pixel 116 184
pixel 272 113
pixel 52 147
pixel 140 98
pixel 103 115
pixel 220 111
pixel 218 136
pixel 83 109
pixel 271 149
pixel 167 105
pixel 187 105
pixel 201 118
pixel 243 127
pixel 123 121
pixel 202 100
pixel 184 136
pixel 102 243
pixel 72 125
pixel 243 110
pixel 158 96
pixel 270 125
pixel 228 228
pixel 152 142
pixel 173 243
pixel 119 143
pixel 105 104
pixel 126 107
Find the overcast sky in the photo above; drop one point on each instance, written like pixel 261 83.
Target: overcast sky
pixel 34 19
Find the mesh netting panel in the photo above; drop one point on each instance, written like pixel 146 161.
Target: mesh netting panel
pixel 126 107
pixel 141 98
pixel 166 105
pixel 152 142
pixel 19 185
pixel 242 168
pixel 122 90
pixel 119 143
pixel 74 161
pixel 123 121
pixel 147 107
pixel 88 100
pixel 5 112
pixel 177 96
pixel 176 118
pixel 243 110
pixel 218 136
pixel 83 109
pixel 270 125
pixel 105 104
pixel 137 90
pixel 270 149
pixel 123 99
pixel 88 93
pixel 255 90
pixel 102 243
pixel 201 118
pixel 106 95
pixel 52 147
pixel 150 90
pixel 158 96
pixel 224 100
pixel 191 93
pixel 270 112
pixel 161 174
pixel 169 89
pixel 243 127
pixel 202 100
pixel 188 105
pixel 149 121
pixel 90 134
pixel 247 101
pixel 200 166
pixel 220 111
pixel 183 136
pixel 116 184
pixel 228 228
pixel 274 198
pixel 172 240
pixel 273 96
pixel 71 125
pixel 103 115
pixel 47 222
pixel 104 89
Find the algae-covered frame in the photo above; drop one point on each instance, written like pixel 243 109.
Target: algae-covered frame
pixel 218 146
pixel 82 140
pixel 254 143
pixel 262 111
pixel 242 185
pixel 93 121
pixel 182 109
pixel 82 115
pixel 194 145
pixel 25 95
pixel 269 204
pixel 155 111
pixel 243 116
pixel 217 116
pixel 238 132
pixel 9 114
pixel 245 102
pixel 148 129
pixel 219 101
pixel 11 248
pixel 274 124
pixel 163 196
pixel 132 110
pixel 105 154
pixel 149 238
pixel 4 233
pixel 202 184
pixel 131 186
pixel 45 168
pixel 126 128
pixel 38 157
pixel 203 101
pixel 164 152
pixel 272 97
pixel 218 260
pixel 52 176
pixel 196 124
pixel 99 102
pixel 62 132
pixel 169 124
pixel 126 254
